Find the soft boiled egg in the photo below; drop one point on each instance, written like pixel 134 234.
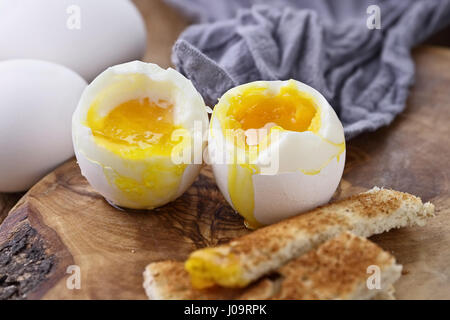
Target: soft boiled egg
pixel 277 149
pixel 133 134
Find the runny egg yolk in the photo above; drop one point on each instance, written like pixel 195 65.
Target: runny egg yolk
pixel 209 266
pixel 290 109
pixel 135 129
pixel 140 131
pixel 255 108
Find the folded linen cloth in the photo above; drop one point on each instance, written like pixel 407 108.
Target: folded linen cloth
pixel 364 73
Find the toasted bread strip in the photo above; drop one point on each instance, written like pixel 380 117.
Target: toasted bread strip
pixel 168 280
pixel 247 258
pixel 335 270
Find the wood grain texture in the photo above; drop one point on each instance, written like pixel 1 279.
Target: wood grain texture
pixel 413 155
pixel 112 247
pixel 74 225
pixel 61 221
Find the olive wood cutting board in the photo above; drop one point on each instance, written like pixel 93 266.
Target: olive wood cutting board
pixel 63 222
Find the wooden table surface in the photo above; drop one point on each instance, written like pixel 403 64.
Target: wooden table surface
pixel 411 155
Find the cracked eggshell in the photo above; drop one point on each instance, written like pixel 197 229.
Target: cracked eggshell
pixel 98 164
pixel 284 195
pixel 310 164
pixel 95 174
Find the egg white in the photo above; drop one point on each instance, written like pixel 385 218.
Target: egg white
pixel 310 164
pixel 119 84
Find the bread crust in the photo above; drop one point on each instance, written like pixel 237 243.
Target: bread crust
pixel 168 280
pixel 338 269
pixel 335 270
pixel 267 249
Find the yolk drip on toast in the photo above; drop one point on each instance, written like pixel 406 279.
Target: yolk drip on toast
pixel 210 266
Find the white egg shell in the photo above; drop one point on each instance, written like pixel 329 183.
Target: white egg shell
pixel 94 173
pixel 296 192
pixel 84 35
pixel 284 195
pixel 37 99
pixel 97 162
pixel 309 166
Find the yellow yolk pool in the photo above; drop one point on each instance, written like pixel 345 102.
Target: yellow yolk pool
pixel 290 109
pixel 135 129
pixel 254 108
pixel 140 132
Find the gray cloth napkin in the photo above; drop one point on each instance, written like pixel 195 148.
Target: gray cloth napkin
pixel 364 73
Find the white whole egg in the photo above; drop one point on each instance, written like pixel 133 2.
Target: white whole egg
pixel 37 99
pixel 277 149
pixel 137 134
pixel 86 36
